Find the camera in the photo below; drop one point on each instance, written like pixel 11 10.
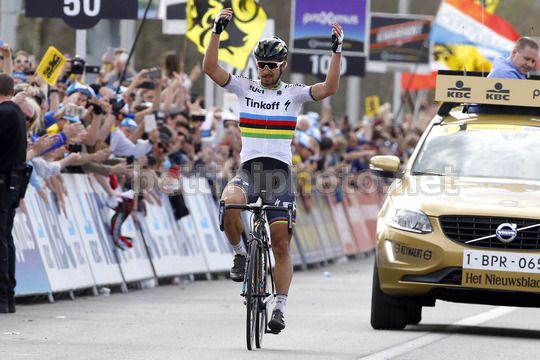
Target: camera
pixel 97 109
pixel 154 74
pixel 74 110
pixel 117 105
pixel 77 65
pixel 198 117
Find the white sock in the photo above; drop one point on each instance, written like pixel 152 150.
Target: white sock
pixel 281 302
pixel 239 248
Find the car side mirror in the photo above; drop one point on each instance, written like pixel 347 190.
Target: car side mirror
pixel 386 166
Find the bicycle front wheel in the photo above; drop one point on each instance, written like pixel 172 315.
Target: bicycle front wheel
pixel 262 313
pixel 252 292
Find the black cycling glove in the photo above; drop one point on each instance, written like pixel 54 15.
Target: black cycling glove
pixel 220 23
pixel 337 42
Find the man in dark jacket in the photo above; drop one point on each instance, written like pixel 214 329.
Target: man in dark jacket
pixel 12 166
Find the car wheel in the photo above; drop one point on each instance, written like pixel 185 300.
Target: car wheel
pixel 414 314
pixel 386 311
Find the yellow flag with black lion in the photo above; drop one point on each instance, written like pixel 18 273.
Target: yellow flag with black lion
pixel 240 36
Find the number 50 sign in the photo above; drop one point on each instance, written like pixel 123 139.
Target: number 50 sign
pixel 82 14
pixel 77 7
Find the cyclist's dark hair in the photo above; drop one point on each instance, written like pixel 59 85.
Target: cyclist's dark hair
pixel 271 49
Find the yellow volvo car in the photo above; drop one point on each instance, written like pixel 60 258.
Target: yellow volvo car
pixel 461 221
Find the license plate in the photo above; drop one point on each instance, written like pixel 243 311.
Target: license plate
pixel 501 261
pixel 501 270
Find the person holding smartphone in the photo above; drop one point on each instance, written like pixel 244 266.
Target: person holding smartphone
pixel 268 112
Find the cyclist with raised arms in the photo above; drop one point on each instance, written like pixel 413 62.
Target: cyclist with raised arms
pixel 268 112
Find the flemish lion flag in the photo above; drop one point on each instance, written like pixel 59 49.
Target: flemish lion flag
pixel 241 34
pixel 51 65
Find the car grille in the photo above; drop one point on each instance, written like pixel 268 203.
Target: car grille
pixel 464 228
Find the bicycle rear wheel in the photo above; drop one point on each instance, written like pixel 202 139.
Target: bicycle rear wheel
pixel 252 292
pixel 262 313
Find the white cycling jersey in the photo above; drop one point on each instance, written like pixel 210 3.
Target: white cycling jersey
pixel 267 116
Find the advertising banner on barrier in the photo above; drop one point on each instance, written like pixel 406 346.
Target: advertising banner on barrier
pixel 217 251
pixel 343 226
pixel 357 221
pixel 134 262
pixel 65 263
pixel 102 262
pixel 325 225
pixel 212 210
pixel 192 244
pixel 167 242
pixel 29 269
pixel 317 231
pixel 369 205
pixel 307 235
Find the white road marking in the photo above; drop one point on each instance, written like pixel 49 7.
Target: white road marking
pixel 425 340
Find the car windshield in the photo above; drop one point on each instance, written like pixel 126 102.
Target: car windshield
pixel 481 150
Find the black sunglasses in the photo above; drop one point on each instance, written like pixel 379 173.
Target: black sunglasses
pixel 272 65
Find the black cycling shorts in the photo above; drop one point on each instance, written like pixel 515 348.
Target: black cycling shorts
pixel 274 177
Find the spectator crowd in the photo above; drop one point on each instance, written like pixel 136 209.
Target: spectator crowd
pixel 131 128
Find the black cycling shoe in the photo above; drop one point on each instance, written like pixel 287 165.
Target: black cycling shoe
pixel 277 323
pixel 238 268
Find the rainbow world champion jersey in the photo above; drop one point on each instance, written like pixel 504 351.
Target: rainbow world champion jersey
pixel 267 116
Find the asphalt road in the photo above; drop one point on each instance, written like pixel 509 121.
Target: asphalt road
pixel 327 318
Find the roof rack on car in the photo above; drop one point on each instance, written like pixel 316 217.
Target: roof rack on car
pixel 456 88
pixel 462 73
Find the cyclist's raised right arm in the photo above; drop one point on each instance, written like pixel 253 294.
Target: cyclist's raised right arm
pixel 210 62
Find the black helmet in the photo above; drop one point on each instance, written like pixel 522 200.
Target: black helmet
pixel 271 49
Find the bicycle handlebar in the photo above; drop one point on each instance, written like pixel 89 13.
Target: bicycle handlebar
pixel 255 207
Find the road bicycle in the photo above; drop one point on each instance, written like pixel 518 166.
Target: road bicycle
pixel 257 291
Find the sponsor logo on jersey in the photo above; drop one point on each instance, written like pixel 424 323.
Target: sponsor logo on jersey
pixel 261 104
pixel 256 89
pixel 294 85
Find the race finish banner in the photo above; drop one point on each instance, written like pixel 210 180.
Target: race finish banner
pixel 311 22
pixel 399 42
pixel 82 14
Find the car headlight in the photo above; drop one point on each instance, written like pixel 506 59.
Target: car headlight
pixel 409 220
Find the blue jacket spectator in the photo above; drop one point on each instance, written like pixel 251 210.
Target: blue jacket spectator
pixel 519 63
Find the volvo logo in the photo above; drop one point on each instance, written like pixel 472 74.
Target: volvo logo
pixel 506 232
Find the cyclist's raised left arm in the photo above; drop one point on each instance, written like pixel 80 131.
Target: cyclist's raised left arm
pixel 330 85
